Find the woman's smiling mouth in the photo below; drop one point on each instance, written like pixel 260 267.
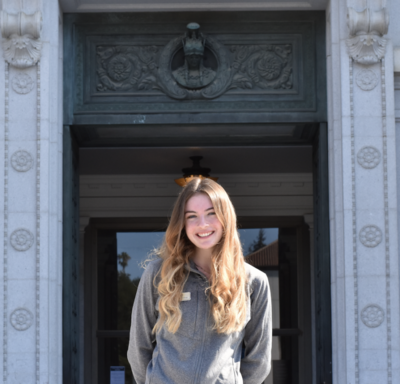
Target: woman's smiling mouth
pixel 207 234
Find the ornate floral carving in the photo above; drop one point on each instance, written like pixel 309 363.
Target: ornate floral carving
pixel 368 157
pixel 22 161
pixel 366 80
pixel 21 239
pixel 122 68
pixel 21 319
pixel 370 236
pixel 267 66
pixel 366 44
pixel 144 68
pixel 119 68
pixel 22 47
pixel 372 316
pixel 22 83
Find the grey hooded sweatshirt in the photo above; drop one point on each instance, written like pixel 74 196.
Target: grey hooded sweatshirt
pixel 197 354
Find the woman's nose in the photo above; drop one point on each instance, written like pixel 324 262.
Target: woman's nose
pixel 202 221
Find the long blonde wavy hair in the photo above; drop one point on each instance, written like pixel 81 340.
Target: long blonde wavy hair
pixel 228 277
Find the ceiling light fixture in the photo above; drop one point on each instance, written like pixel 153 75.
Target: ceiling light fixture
pixel 194 171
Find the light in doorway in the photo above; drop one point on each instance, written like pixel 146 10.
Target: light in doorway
pixel 194 171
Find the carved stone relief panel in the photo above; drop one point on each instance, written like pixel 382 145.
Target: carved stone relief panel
pixel 145 69
pixel 156 65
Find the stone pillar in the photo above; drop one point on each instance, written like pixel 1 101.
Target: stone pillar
pixel 363 219
pixel 30 192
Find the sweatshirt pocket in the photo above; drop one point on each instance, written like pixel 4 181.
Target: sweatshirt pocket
pixel 189 315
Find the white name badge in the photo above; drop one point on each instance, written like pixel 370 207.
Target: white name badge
pixel 185 296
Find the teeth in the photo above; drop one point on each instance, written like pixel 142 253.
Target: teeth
pixel 205 234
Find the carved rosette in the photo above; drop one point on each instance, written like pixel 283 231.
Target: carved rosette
pixel 21 239
pixel 21 319
pixel 368 157
pixel 22 161
pixel 124 68
pixel 367 80
pixel 366 44
pixel 372 316
pixel 21 33
pixel 370 236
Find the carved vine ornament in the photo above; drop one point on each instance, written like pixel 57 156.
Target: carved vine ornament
pixel 366 44
pixel 194 66
pixel 21 33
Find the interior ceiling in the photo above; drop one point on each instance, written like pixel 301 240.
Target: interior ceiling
pixel 188 5
pixel 221 160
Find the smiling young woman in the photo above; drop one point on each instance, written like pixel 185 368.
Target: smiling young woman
pixel 201 315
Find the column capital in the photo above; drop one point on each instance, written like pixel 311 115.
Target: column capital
pixel 21 33
pixel 366 44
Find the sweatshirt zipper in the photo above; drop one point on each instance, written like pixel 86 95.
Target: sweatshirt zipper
pixel 202 343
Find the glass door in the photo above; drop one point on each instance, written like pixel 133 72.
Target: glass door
pixel 275 251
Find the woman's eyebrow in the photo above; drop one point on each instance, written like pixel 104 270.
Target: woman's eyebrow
pixel 196 212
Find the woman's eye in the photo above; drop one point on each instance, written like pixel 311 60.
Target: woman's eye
pixel 191 217
pixel 212 213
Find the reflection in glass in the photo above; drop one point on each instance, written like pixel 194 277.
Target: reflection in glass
pixel 120 267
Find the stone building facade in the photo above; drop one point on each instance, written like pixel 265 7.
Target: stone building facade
pixel 362 71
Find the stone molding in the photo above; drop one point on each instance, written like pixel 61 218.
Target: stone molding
pixel 21 33
pixel 366 44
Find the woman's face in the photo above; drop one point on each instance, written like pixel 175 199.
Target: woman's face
pixel 202 226
pixel 194 60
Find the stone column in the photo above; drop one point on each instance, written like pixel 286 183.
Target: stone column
pixel 31 191
pixel 364 248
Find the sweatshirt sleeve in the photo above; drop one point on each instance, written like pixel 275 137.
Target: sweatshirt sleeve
pixel 144 317
pixel 256 363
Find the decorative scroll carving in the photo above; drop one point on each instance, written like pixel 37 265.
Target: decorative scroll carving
pixel 146 69
pixel 22 47
pixel 21 319
pixel 366 44
pixel 372 316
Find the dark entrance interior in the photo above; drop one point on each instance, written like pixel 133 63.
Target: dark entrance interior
pixel 247 131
